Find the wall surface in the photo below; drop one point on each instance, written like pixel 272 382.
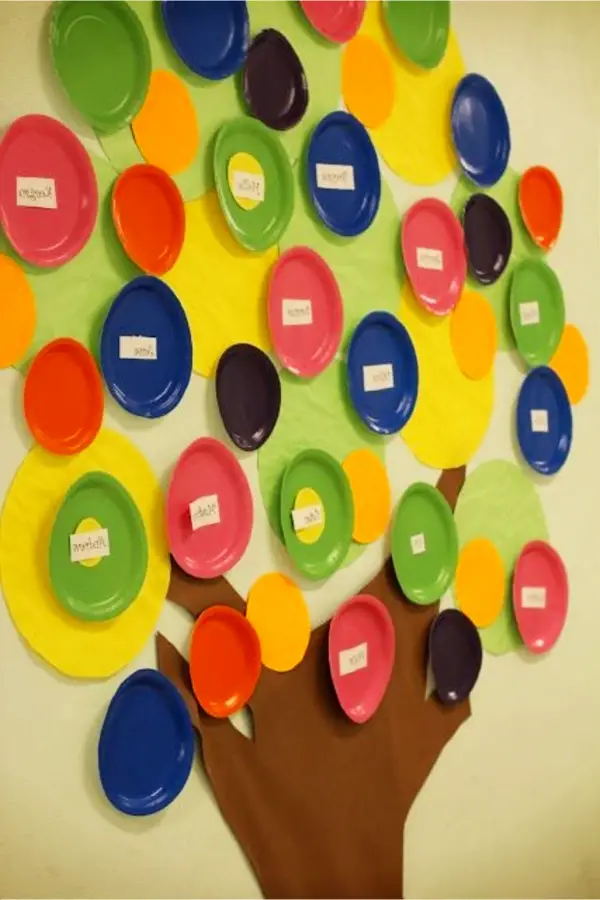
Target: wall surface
pixel 512 807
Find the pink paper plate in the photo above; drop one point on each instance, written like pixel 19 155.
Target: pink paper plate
pixel 336 20
pixel 208 477
pixel 434 255
pixel 44 166
pixel 305 311
pixel 540 596
pixel 361 655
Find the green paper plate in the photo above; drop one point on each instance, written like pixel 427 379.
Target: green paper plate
pixel 424 544
pixel 105 586
pixel 419 29
pixel 537 311
pixel 257 224
pixel 320 472
pixel 101 55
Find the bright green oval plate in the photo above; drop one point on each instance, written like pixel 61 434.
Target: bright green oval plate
pixel 105 586
pixel 419 29
pixel 537 311
pixel 424 544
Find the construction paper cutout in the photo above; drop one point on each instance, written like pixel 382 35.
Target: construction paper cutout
pixel 77 648
pixel 499 502
pixel 371 493
pixel 18 313
pixel 479 585
pixel 541 205
pixel 368 83
pixel 278 612
pixel 306 498
pixel 166 128
pixel 473 334
pixel 243 162
pixel 572 364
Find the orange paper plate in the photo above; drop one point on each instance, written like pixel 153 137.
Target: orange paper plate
pixel 541 205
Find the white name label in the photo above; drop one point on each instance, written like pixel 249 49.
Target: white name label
pixel 38 192
pixel 430 259
pixel 353 659
pixel 533 598
pixel 417 544
pixel 89 545
pixel 296 312
pixel 205 511
pixel 529 313
pixel 135 346
pixel 307 517
pixel 248 186
pixel 378 378
pixel 335 178
pixel 539 420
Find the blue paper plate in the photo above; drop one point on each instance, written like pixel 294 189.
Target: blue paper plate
pixel 146 745
pixel 343 147
pixel 544 421
pixel 480 130
pixel 146 308
pixel 210 36
pixel 384 397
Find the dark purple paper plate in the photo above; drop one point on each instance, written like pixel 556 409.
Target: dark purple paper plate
pixel 248 395
pixel 456 654
pixel 274 83
pixel 488 238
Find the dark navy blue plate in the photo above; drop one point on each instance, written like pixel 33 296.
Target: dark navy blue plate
pixel 339 140
pixel 146 745
pixel 544 421
pixel 480 130
pixel 210 36
pixel 147 307
pixel 381 340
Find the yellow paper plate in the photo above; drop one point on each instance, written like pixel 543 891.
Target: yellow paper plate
pixel 473 334
pixel 166 129
pixel 480 582
pixel 17 312
pixel 371 493
pixel 277 610
pixel 572 364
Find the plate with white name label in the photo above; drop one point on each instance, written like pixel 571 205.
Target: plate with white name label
pixel 540 596
pixel 544 421
pixel 537 311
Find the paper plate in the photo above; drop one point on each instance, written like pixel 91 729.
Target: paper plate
pixel 362 645
pixel 434 254
pixel 271 192
pixel 224 661
pixel 537 311
pixel 209 510
pixel 149 217
pixel 383 373
pixel 101 586
pixel 63 399
pixel 277 610
pixel 424 544
pixel 456 654
pixel 480 130
pixel 274 83
pixel 101 55
pixel 210 37
pixel 371 495
pixel 305 310
pixel 147 745
pixel 540 596
pixel 419 30
pixel 48 191
pixel 343 174
pixel 319 471
pixel 248 394
pixel 336 20
pixel 544 421
pixel 541 205
pixel 146 348
pixel 488 238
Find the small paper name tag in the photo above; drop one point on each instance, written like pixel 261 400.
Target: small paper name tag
pixel 37 192
pixel 247 186
pixel 335 178
pixel 430 259
pixel 89 545
pixel 378 378
pixel 205 511
pixel 529 313
pixel 307 517
pixel 417 544
pixel 539 420
pixel 135 346
pixel 296 312
pixel 533 598
pixel 353 659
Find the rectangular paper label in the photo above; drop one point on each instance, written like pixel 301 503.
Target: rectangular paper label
pixel 247 186
pixel 430 259
pixel 136 346
pixel 296 312
pixel 417 544
pixel 539 420
pixel 37 192
pixel 529 313
pixel 89 545
pixel 353 659
pixel 335 178
pixel 307 517
pixel 205 511
pixel 533 598
pixel 378 378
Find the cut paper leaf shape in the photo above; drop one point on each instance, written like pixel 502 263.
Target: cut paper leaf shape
pixel 17 312
pixel 571 363
pixel 479 586
pixel 166 127
pixel 473 335
pixel 277 610
pixel 371 493
pixel 366 64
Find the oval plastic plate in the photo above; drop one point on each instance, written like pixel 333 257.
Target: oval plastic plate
pixel 540 596
pixel 480 130
pixel 248 395
pixel 544 421
pixel 336 20
pixel 419 30
pixel 210 37
pixel 541 205
pixel 456 654
pixel 274 84
pixel 537 311
pixel 488 238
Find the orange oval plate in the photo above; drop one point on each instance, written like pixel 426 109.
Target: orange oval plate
pixel 541 205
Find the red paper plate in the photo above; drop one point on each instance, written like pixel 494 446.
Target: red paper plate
pixel 209 510
pixel 336 20
pixel 434 255
pixel 224 661
pixel 48 192
pixel 541 205
pixel 305 311
pixel 540 596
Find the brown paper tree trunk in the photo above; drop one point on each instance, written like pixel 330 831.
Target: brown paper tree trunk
pixel 317 803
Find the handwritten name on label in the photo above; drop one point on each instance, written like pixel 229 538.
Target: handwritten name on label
pixel 296 312
pixel 430 259
pixel 417 544
pixel 37 192
pixel 89 545
pixel 307 517
pixel 248 186
pixel 335 178
pixel 539 420
pixel 136 346
pixel 378 378
pixel 529 313
pixel 533 598
pixel 205 511
pixel 353 659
